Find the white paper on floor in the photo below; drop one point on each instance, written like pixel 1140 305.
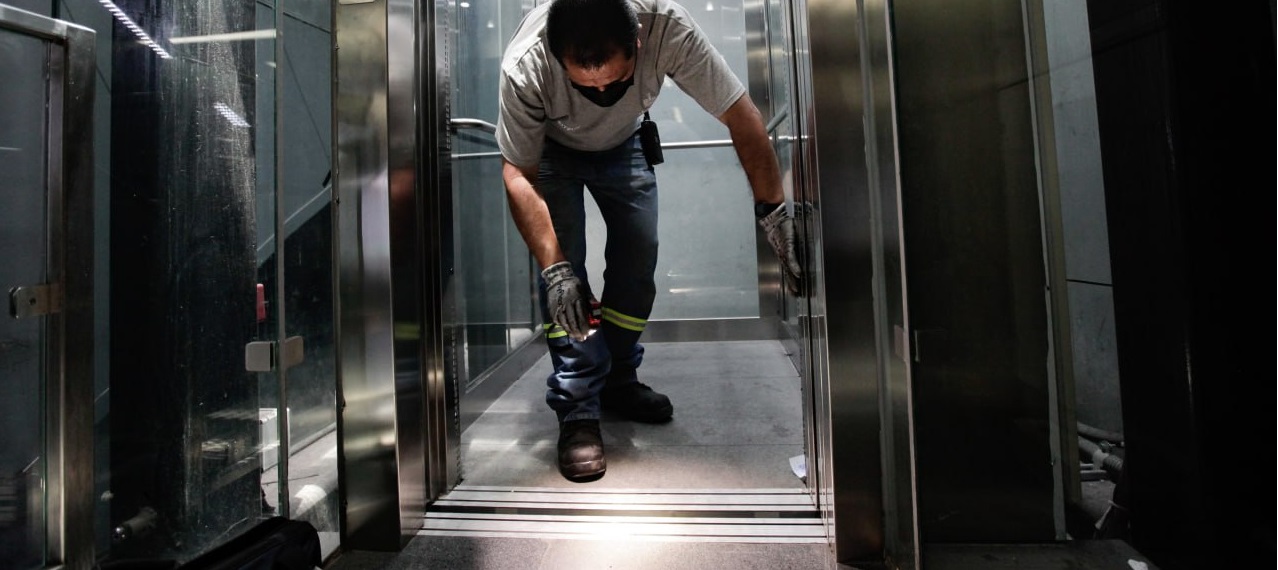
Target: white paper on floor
pixel 799 464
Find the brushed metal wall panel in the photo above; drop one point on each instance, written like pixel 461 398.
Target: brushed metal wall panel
pixel 899 492
pixel 382 463
pixel 976 272
pixel 843 306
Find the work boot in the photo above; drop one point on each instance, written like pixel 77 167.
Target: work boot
pixel 581 453
pixel 637 402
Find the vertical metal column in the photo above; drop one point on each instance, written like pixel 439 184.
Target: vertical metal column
pixel 846 327
pixel 435 205
pixel 383 466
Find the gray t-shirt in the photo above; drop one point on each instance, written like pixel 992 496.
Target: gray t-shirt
pixel 537 100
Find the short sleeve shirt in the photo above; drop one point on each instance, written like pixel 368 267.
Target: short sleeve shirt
pixel 538 102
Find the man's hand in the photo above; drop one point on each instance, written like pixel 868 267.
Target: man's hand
pixel 779 227
pixel 567 299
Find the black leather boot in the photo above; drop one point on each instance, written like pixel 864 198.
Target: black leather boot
pixel 581 453
pixel 637 402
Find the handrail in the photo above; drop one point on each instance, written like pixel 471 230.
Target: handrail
pixel 776 119
pixel 477 124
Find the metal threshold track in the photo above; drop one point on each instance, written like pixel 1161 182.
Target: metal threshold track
pixel 668 515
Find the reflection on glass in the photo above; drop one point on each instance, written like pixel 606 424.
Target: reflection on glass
pixel 23 244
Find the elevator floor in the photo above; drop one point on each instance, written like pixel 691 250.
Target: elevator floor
pixel 712 489
pixel 737 423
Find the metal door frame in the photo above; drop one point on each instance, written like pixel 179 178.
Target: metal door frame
pixel 69 389
pixel 394 403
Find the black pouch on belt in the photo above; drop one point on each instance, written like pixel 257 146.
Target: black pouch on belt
pixel 651 141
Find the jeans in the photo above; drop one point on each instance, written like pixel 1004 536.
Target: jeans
pixel 624 187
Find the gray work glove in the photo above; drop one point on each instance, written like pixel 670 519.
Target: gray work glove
pixel 568 300
pixel 779 227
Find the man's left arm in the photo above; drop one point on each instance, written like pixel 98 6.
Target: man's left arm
pixel 754 150
pixel 759 160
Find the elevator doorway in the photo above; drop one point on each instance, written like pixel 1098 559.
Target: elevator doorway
pixel 723 341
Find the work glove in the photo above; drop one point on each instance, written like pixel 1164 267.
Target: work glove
pixel 778 226
pixel 568 300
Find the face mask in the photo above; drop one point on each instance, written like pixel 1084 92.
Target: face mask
pixel 609 95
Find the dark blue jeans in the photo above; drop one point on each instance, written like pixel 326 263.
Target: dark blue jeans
pixel 625 189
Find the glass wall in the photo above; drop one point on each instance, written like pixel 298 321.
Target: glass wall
pixel 295 159
pixel 212 125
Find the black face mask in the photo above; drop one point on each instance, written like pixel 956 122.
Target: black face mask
pixel 609 95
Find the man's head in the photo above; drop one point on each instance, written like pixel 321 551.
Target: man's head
pixel 595 41
pixel 590 33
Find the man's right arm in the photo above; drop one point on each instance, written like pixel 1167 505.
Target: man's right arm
pixel 566 296
pixel 530 213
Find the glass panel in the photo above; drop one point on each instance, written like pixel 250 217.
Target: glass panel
pixel 191 190
pixel 23 247
pixel 495 291
pixel 305 124
pixel 707 266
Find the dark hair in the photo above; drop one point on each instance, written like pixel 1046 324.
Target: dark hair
pixel 590 32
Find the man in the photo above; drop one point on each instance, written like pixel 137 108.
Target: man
pixel 576 79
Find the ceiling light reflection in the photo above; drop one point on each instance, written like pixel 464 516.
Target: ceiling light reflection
pixel 133 27
pixel 231 116
pixel 227 37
